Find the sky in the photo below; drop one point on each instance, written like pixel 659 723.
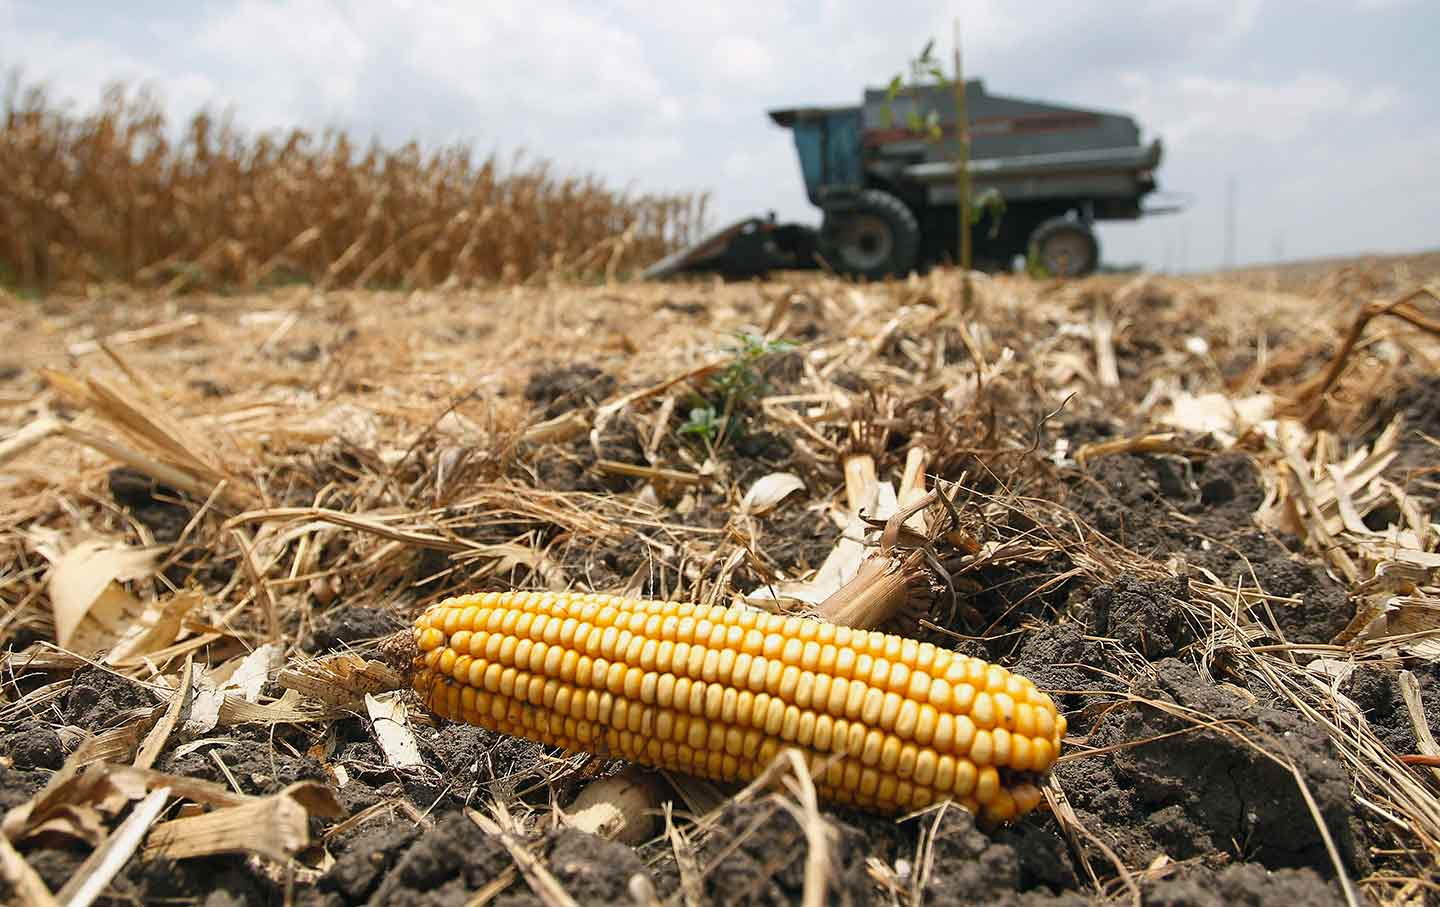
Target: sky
pixel 1321 116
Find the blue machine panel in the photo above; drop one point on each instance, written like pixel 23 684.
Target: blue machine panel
pixel 829 147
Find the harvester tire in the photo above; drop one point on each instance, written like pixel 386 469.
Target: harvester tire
pixel 875 237
pixel 1065 248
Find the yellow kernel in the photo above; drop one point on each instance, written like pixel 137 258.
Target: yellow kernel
pixel 431 638
pixel 987 784
pixel 1004 711
pixel 874 742
pixel 925 762
pixel 791 723
pixel 824 730
pixel 476 677
pixel 1002 807
pixel 447 660
pixel 855 700
pixel 964 734
pixel 983 711
pixel 759 667
pixel 805 689
pixel 864 665
pixel 810 656
pixel 734 741
pixel 1004 742
pixel 869 782
pixel 890 711
pixel 710 667
pixel 820 698
pixel 907 719
pixel 828 658
pixel 632 648
pixel 899 679
pixel 940 694
pixel 944 732
pixel 1021 752
pixel 1042 754
pixel 759 710
pixel 1025 719
pixel 792 652
pixel 609 642
pixel 879 674
pixel 789 677
pixel 729 699
pixel 805 730
pixel 773 670
pixel 845 663
pixel 995 678
pixel 1027 797
pixel 1044 723
pixel 774 716
pixel 460 642
pixel 460 670
pixel 634 681
pixel 966 775
pixel 945 773
pixel 726 667
pixel 925 724
pixel 890 753
pixel 753 643
pixel 982 750
pixel 872 707
pixel 839 695
pixel 695 664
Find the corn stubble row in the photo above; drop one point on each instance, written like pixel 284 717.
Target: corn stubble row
pixel 886 723
pixel 116 197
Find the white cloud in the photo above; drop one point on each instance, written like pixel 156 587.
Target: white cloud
pixel 1204 111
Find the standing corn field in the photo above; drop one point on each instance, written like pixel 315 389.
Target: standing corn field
pixel 117 196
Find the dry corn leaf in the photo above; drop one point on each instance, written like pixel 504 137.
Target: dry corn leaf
pixel 768 491
pixel 73 805
pixel 1227 418
pixel 390 721
pixel 92 610
pixel 246 676
pixel 157 628
pixel 275 827
pixel 341 680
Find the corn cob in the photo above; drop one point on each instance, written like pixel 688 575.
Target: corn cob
pixel 886 723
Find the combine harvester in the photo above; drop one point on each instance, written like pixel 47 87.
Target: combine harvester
pixel 888 196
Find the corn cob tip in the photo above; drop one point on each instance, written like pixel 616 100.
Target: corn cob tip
pixel 885 722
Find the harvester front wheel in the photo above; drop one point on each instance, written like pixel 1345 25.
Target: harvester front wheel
pixel 875 237
pixel 1065 248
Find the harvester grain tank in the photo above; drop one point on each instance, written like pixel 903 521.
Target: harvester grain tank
pixel 888 195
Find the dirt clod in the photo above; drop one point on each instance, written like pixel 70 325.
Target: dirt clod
pixel 1204 792
pixel 349 624
pixel 96 698
pixel 761 859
